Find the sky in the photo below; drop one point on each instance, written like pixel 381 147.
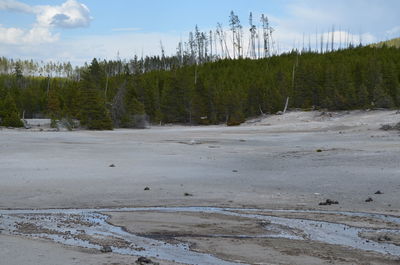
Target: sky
pixel 79 30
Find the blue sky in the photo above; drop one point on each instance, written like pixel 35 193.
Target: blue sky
pixel 78 30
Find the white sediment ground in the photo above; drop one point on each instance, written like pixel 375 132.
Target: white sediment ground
pixel 290 161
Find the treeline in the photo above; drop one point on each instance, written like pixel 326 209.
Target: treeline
pixel 209 93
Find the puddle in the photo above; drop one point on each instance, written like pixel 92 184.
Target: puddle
pixel 89 228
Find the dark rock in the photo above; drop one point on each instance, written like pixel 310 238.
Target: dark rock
pixel 318 150
pixel 328 202
pixel 331 201
pixel 144 260
pixel 387 238
pixel 234 170
pixel 188 194
pixel 384 238
pixel 369 200
pixel 388 127
pixel 146 188
pixel 112 165
pixel 378 192
pixel 106 249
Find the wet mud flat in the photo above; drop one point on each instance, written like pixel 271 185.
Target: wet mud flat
pixel 213 235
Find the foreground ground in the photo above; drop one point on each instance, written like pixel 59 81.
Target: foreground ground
pixel 292 161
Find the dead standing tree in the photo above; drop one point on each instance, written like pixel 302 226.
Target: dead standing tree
pixel 237 33
pixel 222 40
pixel 253 35
pixel 267 34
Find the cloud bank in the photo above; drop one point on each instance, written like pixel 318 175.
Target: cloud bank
pixel 71 14
pixel 302 23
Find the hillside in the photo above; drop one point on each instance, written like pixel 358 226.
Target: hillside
pixel 390 43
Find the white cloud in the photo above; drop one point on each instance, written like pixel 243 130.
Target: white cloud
pixel 70 14
pixel 35 35
pixel 15 6
pixel 10 35
pixel 82 49
pixel 394 32
pixel 370 19
pixel 126 29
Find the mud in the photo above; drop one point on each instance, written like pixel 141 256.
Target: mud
pixel 207 235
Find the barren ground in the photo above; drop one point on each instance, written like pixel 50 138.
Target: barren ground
pixel 292 161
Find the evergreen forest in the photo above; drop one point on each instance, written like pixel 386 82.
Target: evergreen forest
pixel 178 89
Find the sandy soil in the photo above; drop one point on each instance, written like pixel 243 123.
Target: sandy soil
pixel 223 237
pixel 292 161
pixel 20 251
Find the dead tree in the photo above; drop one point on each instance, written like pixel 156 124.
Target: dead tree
pixel 222 38
pixel 253 34
pixel 322 42
pixel 233 23
pixel 267 34
pixel 211 45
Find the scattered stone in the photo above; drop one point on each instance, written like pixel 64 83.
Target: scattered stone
pixel 144 260
pixel 378 192
pixel 387 238
pixel 279 113
pixel 328 202
pixel 389 127
pixel 146 188
pixel 384 238
pixel 188 194
pixel 369 200
pixel 106 249
pixel 112 165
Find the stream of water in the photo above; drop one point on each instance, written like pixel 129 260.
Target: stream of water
pixel 89 228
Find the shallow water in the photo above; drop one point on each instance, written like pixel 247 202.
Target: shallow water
pixel 89 228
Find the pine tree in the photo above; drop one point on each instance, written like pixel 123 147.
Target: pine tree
pixel 381 98
pixel 391 82
pixel 200 104
pixel 93 113
pixel 18 70
pixel 53 105
pixel 362 97
pixel 9 113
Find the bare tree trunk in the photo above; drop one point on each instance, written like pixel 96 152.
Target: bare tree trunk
pixel 211 45
pixel 195 75
pixel 322 42
pixel 105 90
pixel 286 105
pixel 48 85
pixel 327 43
pixel 259 107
